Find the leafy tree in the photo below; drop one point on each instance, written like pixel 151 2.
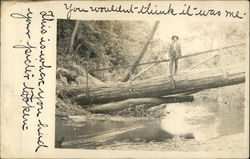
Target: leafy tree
pixel 104 43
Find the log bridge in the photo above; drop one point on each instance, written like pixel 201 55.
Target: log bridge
pixel 153 91
pixel 150 91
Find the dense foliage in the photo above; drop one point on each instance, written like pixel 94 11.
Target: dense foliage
pixel 104 43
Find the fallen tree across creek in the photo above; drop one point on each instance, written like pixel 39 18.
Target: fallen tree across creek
pixel 190 81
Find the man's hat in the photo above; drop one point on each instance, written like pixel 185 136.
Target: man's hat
pixel 174 36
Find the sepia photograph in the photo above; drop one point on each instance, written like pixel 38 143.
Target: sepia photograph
pixel 150 85
pixel 124 79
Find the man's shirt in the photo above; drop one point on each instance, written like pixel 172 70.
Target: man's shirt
pixel 175 50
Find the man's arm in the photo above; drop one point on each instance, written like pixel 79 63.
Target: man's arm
pixel 179 50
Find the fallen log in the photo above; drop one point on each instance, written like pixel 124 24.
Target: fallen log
pixel 195 80
pixel 148 102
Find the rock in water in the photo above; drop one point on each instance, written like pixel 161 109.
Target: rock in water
pixel 187 136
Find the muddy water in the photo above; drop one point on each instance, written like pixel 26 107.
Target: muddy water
pixel 204 122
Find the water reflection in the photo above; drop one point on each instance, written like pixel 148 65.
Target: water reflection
pixel 203 121
pixel 189 118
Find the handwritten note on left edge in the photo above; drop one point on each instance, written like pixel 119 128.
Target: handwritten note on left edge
pixel 32 95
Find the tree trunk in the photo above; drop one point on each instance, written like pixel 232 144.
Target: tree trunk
pixel 149 102
pixel 72 40
pixel 195 80
pixel 143 50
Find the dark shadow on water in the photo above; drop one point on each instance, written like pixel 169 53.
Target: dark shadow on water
pixel 90 134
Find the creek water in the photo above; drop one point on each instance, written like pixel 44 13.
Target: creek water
pixel 203 121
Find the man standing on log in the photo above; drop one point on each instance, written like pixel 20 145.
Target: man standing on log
pixel 174 54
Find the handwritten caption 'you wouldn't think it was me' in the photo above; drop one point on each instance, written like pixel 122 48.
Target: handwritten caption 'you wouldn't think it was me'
pixel 170 9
